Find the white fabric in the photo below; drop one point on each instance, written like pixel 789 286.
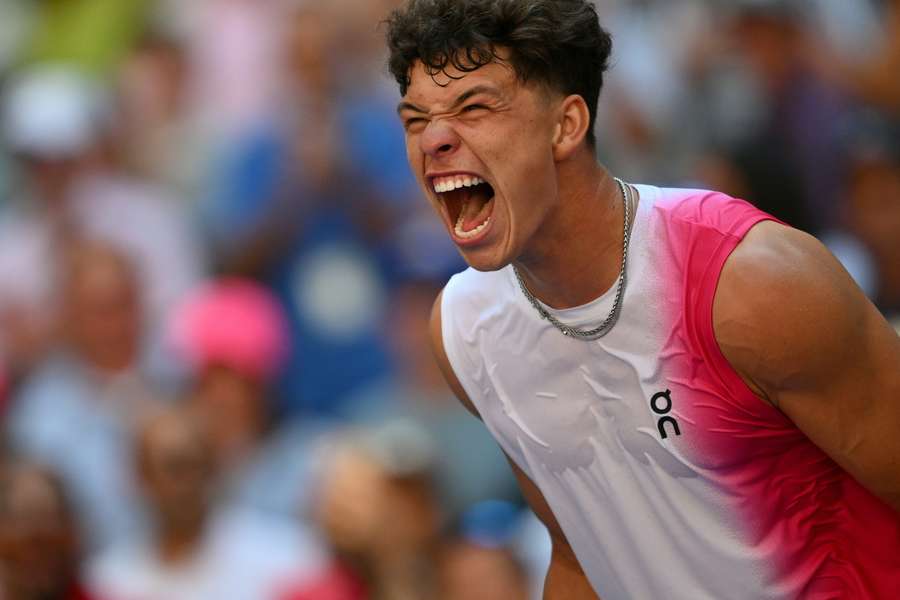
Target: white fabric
pixel 575 417
pixel 79 423
pixel 243 557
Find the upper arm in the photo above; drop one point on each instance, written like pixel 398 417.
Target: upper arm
pixel 803 336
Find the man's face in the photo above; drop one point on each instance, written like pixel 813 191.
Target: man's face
pixel 103 313
pixel 470 572
pixel 234 406
pixel 480 144
pixel 176 471
pixel 37 538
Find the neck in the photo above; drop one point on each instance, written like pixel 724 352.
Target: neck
pixel 576 256
pixel 177 544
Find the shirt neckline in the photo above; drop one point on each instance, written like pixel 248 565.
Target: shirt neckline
pixel 594 312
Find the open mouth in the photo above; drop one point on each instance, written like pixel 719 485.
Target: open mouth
pixel 469 201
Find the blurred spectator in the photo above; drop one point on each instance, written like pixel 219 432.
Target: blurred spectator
pixel 642 133
pixel 479 561
pixel 232 334
pixel 235 57
pixel 498 542
pixel 468 465
pixel 791 164
pixel 76 410
pixel 468 571
pixel 347 512
pixel 292 209
pixel 873 207
pixel 870 75
pixel 377 507
pixel 54 122
pixel 194 553
pixel 48 121
pixel 157 136
pixel 39 541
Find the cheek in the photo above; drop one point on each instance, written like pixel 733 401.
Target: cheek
pixel 524 149
pixel 416 161
pixel 413 153
pixel 529 176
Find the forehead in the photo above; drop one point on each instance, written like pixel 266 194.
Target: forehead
pixel 167 437
pixel 426 86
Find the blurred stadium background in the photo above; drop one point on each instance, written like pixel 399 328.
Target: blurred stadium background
pixel 216 272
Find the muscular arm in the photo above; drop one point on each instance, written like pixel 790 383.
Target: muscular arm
pixel 565 578
pixel 805 338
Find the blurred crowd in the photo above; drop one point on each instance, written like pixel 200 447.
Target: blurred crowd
pixel 216 273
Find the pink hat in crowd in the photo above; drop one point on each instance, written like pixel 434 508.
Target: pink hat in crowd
pixel 232 323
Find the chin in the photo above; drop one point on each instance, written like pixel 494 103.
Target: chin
pixel 483 259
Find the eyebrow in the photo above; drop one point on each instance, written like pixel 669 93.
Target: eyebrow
pixel 478 89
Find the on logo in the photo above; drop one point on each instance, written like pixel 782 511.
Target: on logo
pixel 663 409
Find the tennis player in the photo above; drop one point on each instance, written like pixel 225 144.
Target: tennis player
pixel 696 398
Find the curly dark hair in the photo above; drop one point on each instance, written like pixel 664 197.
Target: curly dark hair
pixel 558 43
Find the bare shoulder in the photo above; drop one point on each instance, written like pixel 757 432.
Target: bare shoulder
pixel 440 355
pixel 787 312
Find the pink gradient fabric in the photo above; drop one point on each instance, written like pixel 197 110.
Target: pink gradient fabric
pixel 232 323
pixel 824 535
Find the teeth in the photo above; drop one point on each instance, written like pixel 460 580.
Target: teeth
pixel 469 234
pixel 448 184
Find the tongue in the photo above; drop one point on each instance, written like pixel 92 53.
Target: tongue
pixel 474 213
pixel 476 209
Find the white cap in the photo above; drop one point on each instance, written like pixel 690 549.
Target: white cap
pixel 52 112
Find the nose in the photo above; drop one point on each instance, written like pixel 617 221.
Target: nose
pixel 439 139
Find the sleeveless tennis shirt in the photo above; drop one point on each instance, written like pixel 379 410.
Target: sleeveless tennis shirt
pixel 668 476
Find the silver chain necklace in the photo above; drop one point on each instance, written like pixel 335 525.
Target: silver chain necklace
pixel 608 323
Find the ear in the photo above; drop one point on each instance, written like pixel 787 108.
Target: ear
pixel 571 128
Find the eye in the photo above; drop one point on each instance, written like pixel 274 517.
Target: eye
pixel 414 125
pixel 473 108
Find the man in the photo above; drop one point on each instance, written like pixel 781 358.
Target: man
pixel 76 410
pixel 193 551
pixel 377 508
pixel 723 426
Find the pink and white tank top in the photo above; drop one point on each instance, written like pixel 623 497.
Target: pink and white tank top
pixel 668 476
